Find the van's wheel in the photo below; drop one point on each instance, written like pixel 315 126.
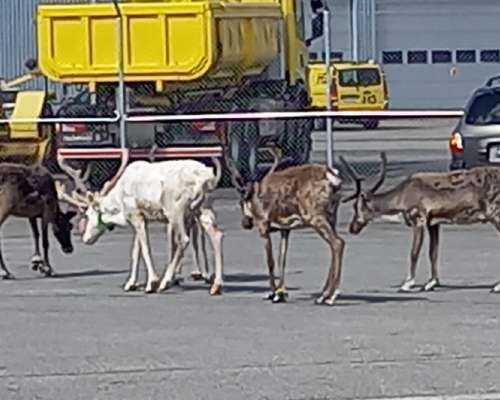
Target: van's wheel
pixel 370 123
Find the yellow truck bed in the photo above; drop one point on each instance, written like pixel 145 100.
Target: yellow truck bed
pixel 164 41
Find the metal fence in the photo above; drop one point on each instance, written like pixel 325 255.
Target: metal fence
pixel 244 117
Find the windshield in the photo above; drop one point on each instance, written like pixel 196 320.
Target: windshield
pixel 359 77
pixel 484 109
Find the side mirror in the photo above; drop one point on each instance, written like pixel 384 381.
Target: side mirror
pixel 317 28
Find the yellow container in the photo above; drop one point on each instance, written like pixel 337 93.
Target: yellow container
pixel 164 41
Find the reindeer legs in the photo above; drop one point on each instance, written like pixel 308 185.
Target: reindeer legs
pixel 36 260
pixel 131 283
pixel 141 232
pixel 418 238
pixel 215 235
pixel 45 267
pixel 178 229
pixel 496 222
pixel 3 267
pixel 281 293
pixel 337 244
pixel 270 265
pixel 433 256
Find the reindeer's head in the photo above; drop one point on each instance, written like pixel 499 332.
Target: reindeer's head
pixel 62 230
pixel 246 190
pixel 364 212
pixel 89 204
pixel 92 226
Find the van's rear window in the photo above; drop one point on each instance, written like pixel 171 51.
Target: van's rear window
pixel 359 77
pixel 484 109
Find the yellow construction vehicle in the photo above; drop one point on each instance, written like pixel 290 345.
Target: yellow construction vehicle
pixel 179 57
pixel 26 142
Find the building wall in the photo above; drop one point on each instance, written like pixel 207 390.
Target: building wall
pixel 461 41
pixel 401 27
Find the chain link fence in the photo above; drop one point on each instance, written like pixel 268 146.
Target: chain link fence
pixel 235 83
pixel 417 144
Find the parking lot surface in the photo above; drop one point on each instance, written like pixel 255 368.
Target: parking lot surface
pixel 79 336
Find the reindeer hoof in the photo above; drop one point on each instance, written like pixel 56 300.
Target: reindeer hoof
pixel 132 287
pixel 280 297
pixel 328 299
pixel 48 272
pixel 269 296
pixel 496 288
pixel 37 264
pixel 407 286
pixel 196 276
pixel 7 277
pixel 151 287
pixel 163 286
pixel 216 290
pixel 431 285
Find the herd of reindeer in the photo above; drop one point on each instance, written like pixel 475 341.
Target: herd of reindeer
pixel 177 193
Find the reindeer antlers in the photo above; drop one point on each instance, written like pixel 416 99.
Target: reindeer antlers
pixel 75 174
pixel 358 180
pixel 65 197
pixel 381 176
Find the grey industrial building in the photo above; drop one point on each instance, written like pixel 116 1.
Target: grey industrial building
pixel 434 52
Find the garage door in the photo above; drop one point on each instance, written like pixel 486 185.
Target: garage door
pixel 435 53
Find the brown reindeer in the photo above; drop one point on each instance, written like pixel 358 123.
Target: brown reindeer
pixel 293 198
pixel 30 192
pixel 427 200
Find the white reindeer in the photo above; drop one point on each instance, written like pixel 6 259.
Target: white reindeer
pixel 172 192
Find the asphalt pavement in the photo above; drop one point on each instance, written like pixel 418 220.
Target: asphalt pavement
pixel 79 336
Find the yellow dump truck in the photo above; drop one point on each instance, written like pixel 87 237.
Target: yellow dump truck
pixel 180 57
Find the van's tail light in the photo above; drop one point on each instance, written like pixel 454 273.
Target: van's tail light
pixel 456 143
pixel 333 89
pixel 386 91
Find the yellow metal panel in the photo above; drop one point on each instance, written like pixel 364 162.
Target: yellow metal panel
pixel 168 41
pixel 69 33
pixel 143 29
pixel 101 55
pixel 188 43
pixel 29 105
